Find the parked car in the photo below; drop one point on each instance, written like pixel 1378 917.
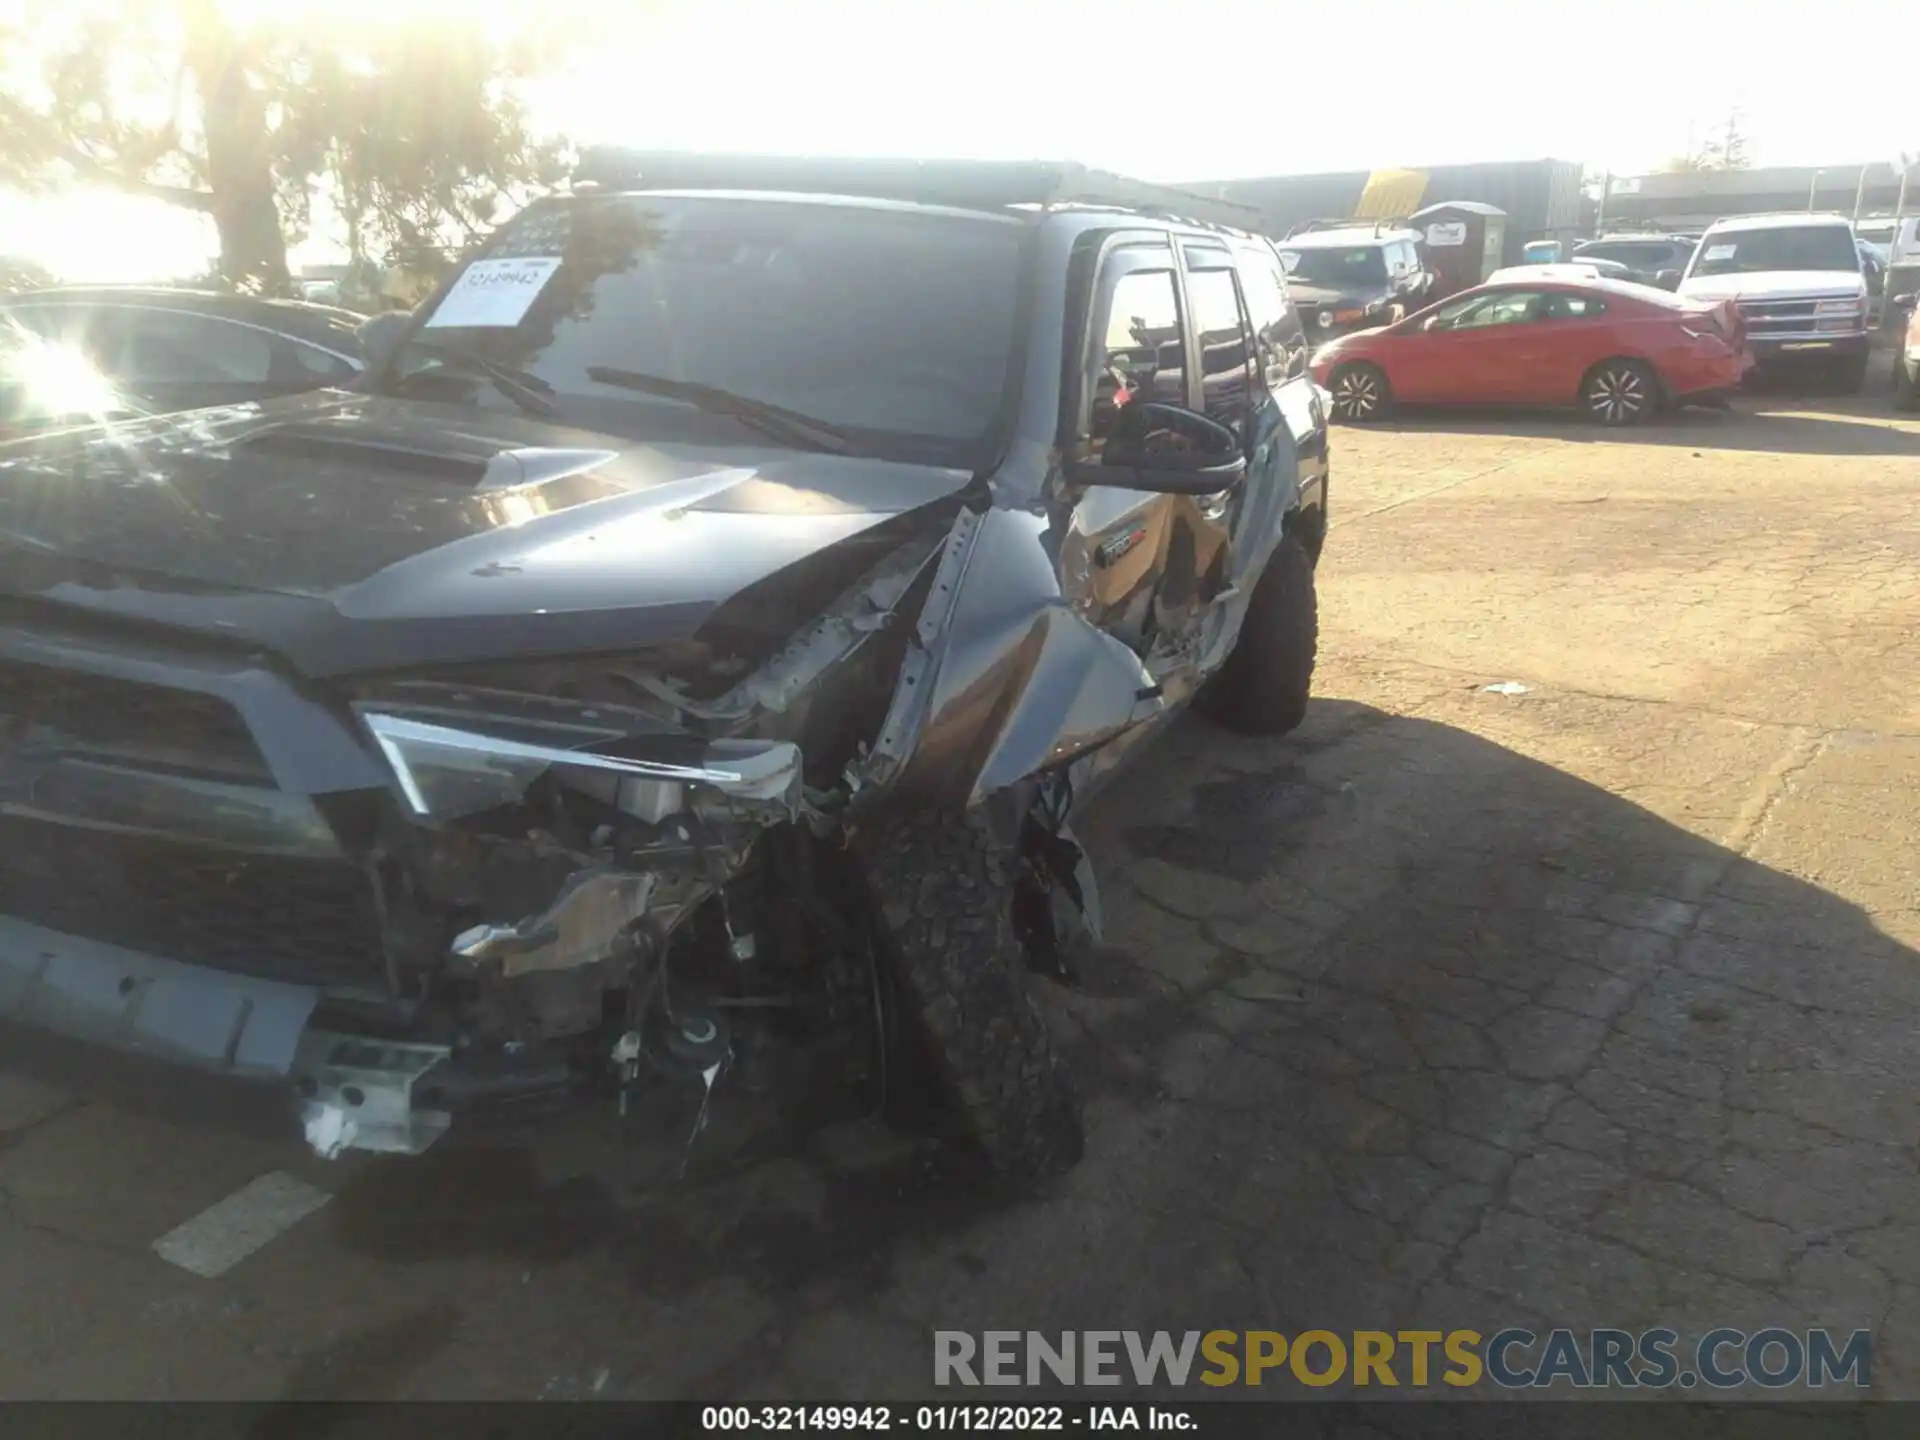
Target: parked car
pixel 1801 288
pixel 43 384
pixel 1905 307
pixel 1562 270
pixel 162 349
pixel 1621 352
pixel 1347 278
pixel 660 666
pixel 1650 259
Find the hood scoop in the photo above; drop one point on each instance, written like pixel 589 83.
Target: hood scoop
pixel 470 468
pixel 535 465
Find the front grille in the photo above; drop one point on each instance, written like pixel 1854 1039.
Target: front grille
pixel 103 714
pixel 308 921
pixel 1772 319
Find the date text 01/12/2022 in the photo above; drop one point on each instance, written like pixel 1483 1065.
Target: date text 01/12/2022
pixel 1003 1419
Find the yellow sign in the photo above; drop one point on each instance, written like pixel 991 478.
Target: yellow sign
pixel 1391 194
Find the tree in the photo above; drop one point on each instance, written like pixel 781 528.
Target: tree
pixel 1725 148
pixel 19 274
pixel 411 131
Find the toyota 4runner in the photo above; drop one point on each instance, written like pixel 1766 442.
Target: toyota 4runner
pixel 691 645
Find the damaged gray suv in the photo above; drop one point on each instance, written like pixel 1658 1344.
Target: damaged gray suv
pixel 690 644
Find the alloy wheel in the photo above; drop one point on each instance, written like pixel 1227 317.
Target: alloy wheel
pixel 1618 395
pixel 1356 394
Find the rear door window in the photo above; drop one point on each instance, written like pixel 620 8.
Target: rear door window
pixel 1226 349
pixel 1277 336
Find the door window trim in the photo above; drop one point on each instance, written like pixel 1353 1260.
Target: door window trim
pixel 1121 254
pixel 119 305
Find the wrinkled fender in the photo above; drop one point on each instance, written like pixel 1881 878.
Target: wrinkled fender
pixel 1004 676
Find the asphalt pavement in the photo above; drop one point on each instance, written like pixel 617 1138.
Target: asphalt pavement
pixel 1586 1000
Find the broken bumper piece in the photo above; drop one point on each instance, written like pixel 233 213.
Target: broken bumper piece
pixel 143 1004
pixel 358 1094
pixel 351 1092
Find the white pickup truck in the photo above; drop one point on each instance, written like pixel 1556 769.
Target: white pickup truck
pixel 1798 282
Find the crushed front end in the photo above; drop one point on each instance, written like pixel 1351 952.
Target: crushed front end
pixel 417 895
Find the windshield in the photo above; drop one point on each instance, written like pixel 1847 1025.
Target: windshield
pixel 895 327
pixel 1361 265
pixel 1799 247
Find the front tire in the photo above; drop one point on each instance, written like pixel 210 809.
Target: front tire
pixel 943 895
pixel 1264 686
pixel 1906 383
pixel 1620 392
pixel 1361 394
pixel 1849 374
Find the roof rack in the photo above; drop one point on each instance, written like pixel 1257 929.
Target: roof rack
pixel 962 184
pixel 1378 226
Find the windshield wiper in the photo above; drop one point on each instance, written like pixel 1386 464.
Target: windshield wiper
pixel 768 418
pixel 528 392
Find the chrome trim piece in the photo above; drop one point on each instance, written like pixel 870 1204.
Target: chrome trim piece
pixel 391 733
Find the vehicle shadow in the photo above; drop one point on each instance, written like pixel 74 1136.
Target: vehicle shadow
pixel 1393 1025
pixel 1779 417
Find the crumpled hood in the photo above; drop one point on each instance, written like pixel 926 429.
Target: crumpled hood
pixel 1767 284
pixel 354 531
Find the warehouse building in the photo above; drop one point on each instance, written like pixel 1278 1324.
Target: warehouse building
pixel 1542 198
pixel 1695 199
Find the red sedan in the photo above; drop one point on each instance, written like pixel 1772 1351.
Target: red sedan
pixel 1619 351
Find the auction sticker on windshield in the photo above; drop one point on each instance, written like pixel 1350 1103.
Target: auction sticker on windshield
pixel 1719 252
pixel 495 292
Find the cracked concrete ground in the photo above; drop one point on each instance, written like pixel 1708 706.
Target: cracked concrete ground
pixel 1592 1005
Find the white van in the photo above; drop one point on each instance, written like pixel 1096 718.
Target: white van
pixel 1799 284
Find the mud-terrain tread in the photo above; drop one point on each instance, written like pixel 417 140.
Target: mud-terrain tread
pixel 1264 686
pixel 944 897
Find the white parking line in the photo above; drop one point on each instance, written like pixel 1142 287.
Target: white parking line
pixel 225 1233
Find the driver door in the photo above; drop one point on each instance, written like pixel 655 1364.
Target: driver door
pixel 1477 350
pixel 1118 544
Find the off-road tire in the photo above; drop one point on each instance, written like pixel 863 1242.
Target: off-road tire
pixel 942 897
pixel 1263 687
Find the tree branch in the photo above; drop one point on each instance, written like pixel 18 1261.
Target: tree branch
pixel 18 119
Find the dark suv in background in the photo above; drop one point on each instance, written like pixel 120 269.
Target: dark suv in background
pixel 1354 278
pixel 1652 259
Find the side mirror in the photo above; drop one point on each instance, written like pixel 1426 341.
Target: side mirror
pixel 380 335
pixel 1166 449
pixel 1668 279
pixel 1904 302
